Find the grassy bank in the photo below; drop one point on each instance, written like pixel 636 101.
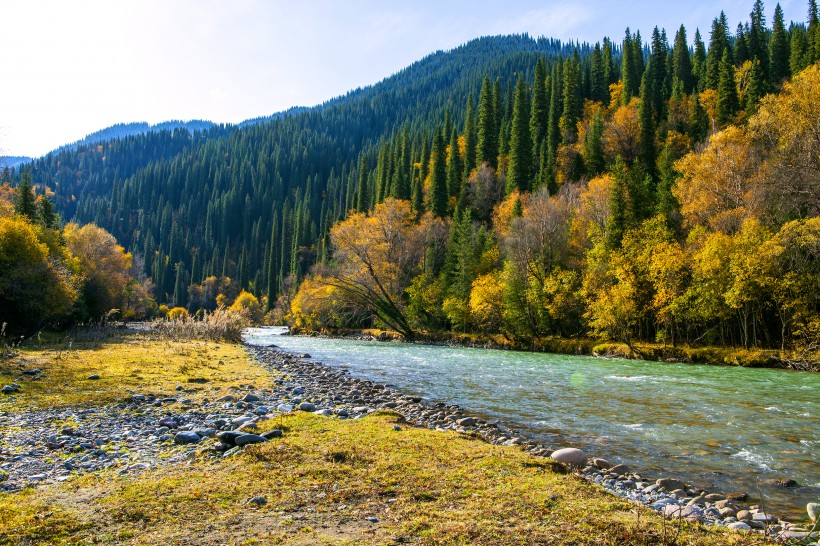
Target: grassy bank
pixel 326 481
pixel 721 356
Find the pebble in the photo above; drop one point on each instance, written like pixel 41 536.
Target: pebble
pixel 94 377
pixel 185 437
pixel 258 501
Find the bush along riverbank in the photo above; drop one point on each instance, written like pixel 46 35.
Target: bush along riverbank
pixel 135 440
pixel 668 496
pixel 717 356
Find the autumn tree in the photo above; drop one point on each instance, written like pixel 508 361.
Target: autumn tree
pixel 104 267
pixel 375 257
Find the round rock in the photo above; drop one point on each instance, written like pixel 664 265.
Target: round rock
pixel 307 406
pixel 186 437
pixel 246 439
pixel 570 456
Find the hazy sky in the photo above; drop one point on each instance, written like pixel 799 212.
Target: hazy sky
pixel 72 67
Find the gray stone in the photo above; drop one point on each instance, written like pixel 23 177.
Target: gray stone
pixel 765 518
pixel 619 469
pixel 813 509
pixel 602 464
pixel 739 526
pixel 246 439
pixel 271 434
pixel 669 484
pixel 466 422
pixel 250 398
pixel 373 519
pixel 397 428
pixel 258 501
pixel 186 437
pixel 691 513
pixel 7 389
pixel 285 408
pixel 307 406
pixel 94 377
pixel 570 456
pixel 227 398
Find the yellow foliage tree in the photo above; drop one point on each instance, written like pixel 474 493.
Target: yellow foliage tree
pixel 486 301
pixel 247 305
pixel 35 289
pixel 104 268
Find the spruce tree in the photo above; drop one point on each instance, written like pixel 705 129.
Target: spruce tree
pixel 718 45
pixel 571 99
pixel 46 213
pixel 741 47
pixel 487 129
pixel 657 85
pixel 594 159
pixel 698 121
pixel 25 203
pixel 630 86
pixel 778 49
pixel 798 49
pixel 455 166
pixel 539 112
pixel 647 138
pixel 758 35
pixel 728 103
pixel 520 168
pixel 681 61
pixel 363 191
pixel 598 80
pixel 756 88
pixel 699 63
pixel 470 139
pixel 438 178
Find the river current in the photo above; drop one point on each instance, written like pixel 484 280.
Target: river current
pixel 721 428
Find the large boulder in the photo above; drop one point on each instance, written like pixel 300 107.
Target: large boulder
pixel 570 456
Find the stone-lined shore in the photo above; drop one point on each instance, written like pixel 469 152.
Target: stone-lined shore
pixel 152 429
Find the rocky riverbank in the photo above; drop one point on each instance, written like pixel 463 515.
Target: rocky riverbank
pixel 151 429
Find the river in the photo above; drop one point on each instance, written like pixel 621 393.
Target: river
pixel 721 428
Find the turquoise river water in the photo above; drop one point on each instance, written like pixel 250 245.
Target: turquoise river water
pixel 721 428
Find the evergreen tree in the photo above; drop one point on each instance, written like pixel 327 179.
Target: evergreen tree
pixel 520 170
pixel 741 47
pixel 798 49
pixel 657 85
pixel 758 35
pixel 699 63
pixel 572 100
pixel 698 121
pixel 594 160
pixel 813 38
pixel 630 85
pixel 718 45
pixel 470 139
pixel 778 49
pixel 647 123
pixel 681 61
pixel 438 178
pixel 618 207
pixel 363 191
pixel 47 214
pixel 455 166
pixel 598 83
pixel 487 128
pixel 539 112
pixel 25 203
pixel 756 88
pixel 728 103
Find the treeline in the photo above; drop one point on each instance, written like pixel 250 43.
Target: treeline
pixel 53 276
pixel 669 193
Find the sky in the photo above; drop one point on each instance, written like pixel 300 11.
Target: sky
pixel 72 67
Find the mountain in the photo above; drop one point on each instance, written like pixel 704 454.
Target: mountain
pixel 10 162
pixel 122 130
pixel 209 202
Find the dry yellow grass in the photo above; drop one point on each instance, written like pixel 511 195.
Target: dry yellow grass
pixel 125 364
